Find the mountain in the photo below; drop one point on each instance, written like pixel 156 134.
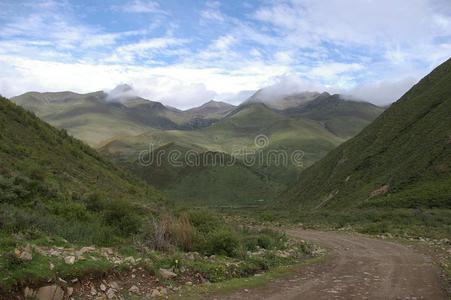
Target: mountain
pixel 211 108
pixel 401 161
pixel 275 100
pixel 343 117
pixel 96 117
pixel 212 184
pixel 57 185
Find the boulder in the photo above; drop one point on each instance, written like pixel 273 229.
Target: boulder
pixel 51 292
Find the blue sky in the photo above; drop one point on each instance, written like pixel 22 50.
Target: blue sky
pixel 187 52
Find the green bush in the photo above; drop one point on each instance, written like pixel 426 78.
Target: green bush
pixel 122 215
pixel 203 220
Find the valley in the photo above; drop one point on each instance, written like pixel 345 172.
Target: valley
pixel 289 149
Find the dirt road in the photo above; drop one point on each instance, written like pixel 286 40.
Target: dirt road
pixel 356 268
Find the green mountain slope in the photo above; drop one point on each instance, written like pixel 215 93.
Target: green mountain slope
pixel 204 179
pixel 57 185
pixel 94 117
pixel 344 118
pixel 213 184
pixel 402 160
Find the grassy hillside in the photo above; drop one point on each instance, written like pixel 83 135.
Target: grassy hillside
pixel 400 164
pixel 51 183
pixel 204 180
pixel 237 184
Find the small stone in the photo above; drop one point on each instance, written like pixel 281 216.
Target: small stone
pixel 110 293
pixel 155 293
pixel 134 289
pixel 26 256
pixel 70 260
pixel 102 287
pixel 148 261
pixel 130 259
pixel 107 251
pixel 70 291
pixel 167 274
pixel 189 283
pixel 246 290
pixel 213 257
pixel 115 285
pixel 163 291
pixel 51 266
pixel 93 291
pixel 62 280
pixel 29 293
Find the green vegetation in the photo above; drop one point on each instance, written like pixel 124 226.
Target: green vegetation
pixel 213 184
pixel 394 175
pixel 51 183
pixel 94 119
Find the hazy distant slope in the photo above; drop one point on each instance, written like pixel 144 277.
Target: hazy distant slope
pixel 211 109
pixel 47 175
pixel 94 117
pixel 342 117
pixel 403 159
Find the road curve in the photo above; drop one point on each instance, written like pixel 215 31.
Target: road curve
pixel 356 268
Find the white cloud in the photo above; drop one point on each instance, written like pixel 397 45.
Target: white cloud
pixel 139 6
pixel 382 92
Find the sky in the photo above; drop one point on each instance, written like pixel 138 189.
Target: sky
pixel 184 53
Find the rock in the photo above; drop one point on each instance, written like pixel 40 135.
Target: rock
pixel 29 293
pixel 130 259
pixel 102 287
pixel 70 260
pixel 51 292
pixel 85 250
pixel 107 251
pixel 26 256
pixel 115 285
pixel 134 289
pixel 110 293
pixel 167 274
pixel 155 293
pixel 51 266
pixel 189 283
pixel 93 291
pixel 213 257
pixel 69 291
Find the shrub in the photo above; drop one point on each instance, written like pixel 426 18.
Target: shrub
pixel 205 221
pixel 222 242
pixel 121 214
pixel 183 232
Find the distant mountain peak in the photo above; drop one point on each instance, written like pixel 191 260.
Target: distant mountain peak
pixel 121 93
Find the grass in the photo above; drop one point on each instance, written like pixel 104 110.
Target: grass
pixel 237 284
